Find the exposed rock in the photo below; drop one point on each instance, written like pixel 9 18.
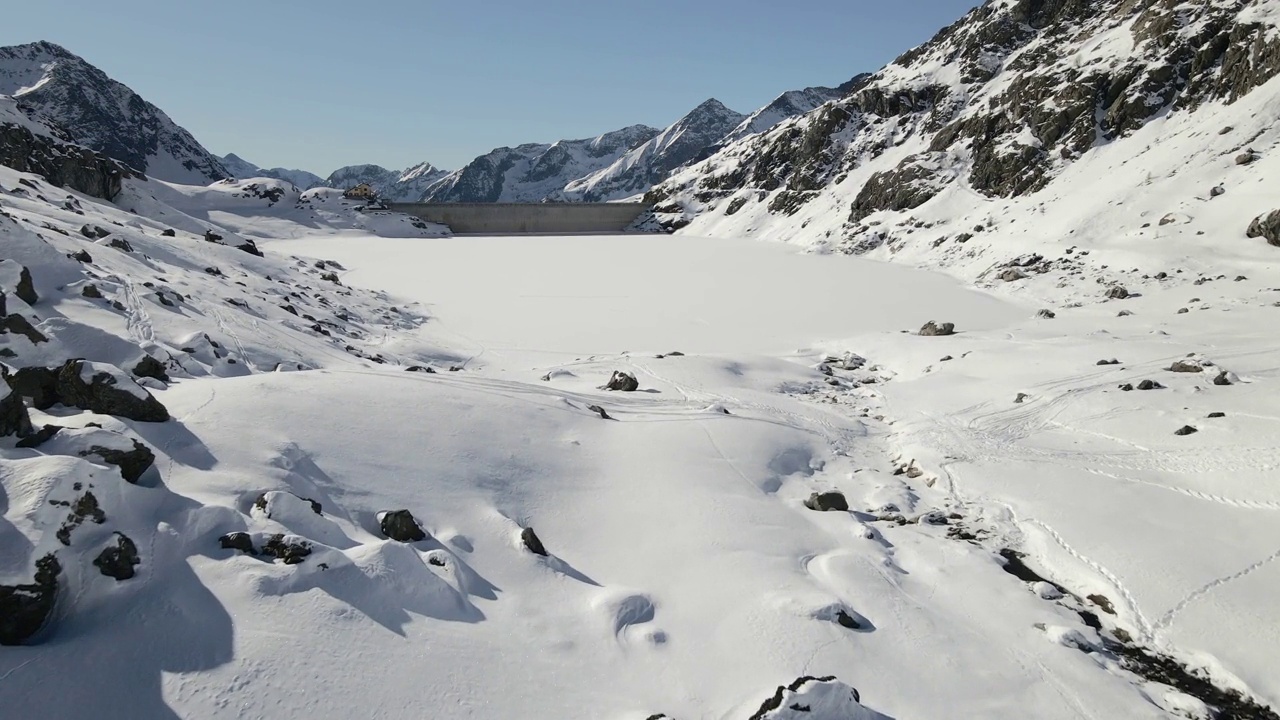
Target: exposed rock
pixel 84 508
pixel 1112 361
pixel 107 391
pixel 1046 314
pixel 1013 275
pixel 91 291
pixel 241 541
pixel 19 325
pixel 132 463
pixel 400 525
pixel 24 609
pixel 168 232
pixel 1127 387
pixel 1266 226
pixel 38 384
pixel 1117 292
pixel 1185 430
pixel 1222 378
pixel 1150 385
pixel 1215 415
pixel 121 244
pixel 39 437
pixel 1021 398
pixel 599 411
pixel 94 232
pixel 119 560
pixel 827 502
pixel 291 551
pixel 25 289
pixel 81 256
pixel 14 419
pixel 1186 366
pixel 846 620
pixel 932 329
pixel 623 381
pixel 263 502
pixel 1246 158
pixel 151 368
pixel 821 698
pixel 531 542
pixel 1124 313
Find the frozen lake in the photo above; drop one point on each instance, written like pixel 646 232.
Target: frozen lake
pixel 596 294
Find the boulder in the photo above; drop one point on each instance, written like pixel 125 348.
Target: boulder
pixel 402 526
pixel 81 256
pixel 1185 430
pixel 932 329
pixel 91 291
pixel 1117 292
pixel 1021 398
pixel 1246 158
pixel 241 541
pixel 1186 366
pixel 19 325
pixel 38 384
pixel 24 609
pixel 819 698
pixel 39 437
pixel 13 414
pixel 94 232
pixel 168 232
pixel 290 549
pixel 827 502
pixel 1013 275
pixel 1046 314
pixel 151 368
pixel 1150 385
pixel 120 244
pixel 1223 378
pixel 1266 226
pixel 1112 361
pixel 104 446
pixel 117 561
pixel 133 462
pixel 599 411
pixel 1215 415
pixel 107 390
pixel 531 542
pixel 622 381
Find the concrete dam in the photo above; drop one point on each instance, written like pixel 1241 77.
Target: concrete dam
pixel 520 218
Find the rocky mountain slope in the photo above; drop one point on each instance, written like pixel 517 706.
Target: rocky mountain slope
pixel 408 185
pixel 998 105
pixel 643 166
pixel 31 145
pixel 102 114
pixel 243 169
pixel 535 171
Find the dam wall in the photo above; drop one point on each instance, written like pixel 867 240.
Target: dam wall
pixel 519 218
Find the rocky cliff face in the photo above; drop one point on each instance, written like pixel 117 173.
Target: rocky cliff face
pixel 1001 101
pixel 104 115
pixel 30 145
pixel 534 171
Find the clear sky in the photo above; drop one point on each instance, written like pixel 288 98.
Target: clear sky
pixel 317 84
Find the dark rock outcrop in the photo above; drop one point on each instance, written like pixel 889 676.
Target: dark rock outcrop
pixel 117 561
pixel 152 368
pixel 402 526
pixel 62 162
pixel 932 329
pixel 39 384
pixel 14 419
pixel 241 541
pixel 105 392
pixel 1266 226
pixel 132 463
pixel 531 542
pixel 827 502
pixel 623 381
pixel 283 547
pixel 24 609
pixel 19 325
pixel 1185 430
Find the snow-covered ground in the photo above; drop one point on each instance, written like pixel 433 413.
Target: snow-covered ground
pixel 685 573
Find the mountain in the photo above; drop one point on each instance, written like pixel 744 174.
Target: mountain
pixel 103 114
pixel 534 172
pixel 999 104
pixel 792 103
pixel 650 163
pixel 241 168
pixel 407 185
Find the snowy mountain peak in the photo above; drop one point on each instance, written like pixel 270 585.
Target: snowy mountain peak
pixel 103 114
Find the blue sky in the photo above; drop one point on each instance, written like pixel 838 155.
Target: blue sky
pixel 317 84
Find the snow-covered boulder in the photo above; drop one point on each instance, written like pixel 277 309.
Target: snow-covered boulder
pixel 816 698
pixel 108 390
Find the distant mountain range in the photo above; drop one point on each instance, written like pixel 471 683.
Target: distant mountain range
pixel 61 90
